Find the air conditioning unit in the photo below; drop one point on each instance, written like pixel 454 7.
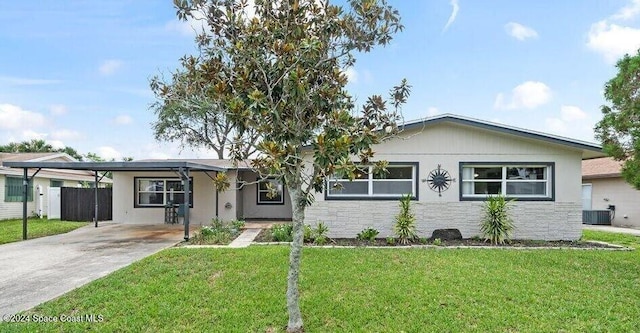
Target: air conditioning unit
pixel 596 217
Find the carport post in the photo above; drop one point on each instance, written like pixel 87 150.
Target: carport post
pixel 95 195
pixel 184 175
pixel 25 189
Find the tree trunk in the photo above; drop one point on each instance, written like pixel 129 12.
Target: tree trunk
pixel 293 296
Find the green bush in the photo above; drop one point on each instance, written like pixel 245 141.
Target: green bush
pixel 308 234
pixel 320 234
pixel 368 235
pixel 437 242
pixel 282 232
pixel 218 232
pixel 405 227
pixel 496 225
pixel 391 241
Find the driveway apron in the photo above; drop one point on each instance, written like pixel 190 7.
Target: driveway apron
pixel 37 270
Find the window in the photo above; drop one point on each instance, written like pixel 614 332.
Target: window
pixel 56 183
pixel 13 190
pixel 400 180
pixel 530 181
pixel 265 194
pixel 158 192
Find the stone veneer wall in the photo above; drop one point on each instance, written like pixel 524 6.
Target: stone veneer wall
pixel 533 220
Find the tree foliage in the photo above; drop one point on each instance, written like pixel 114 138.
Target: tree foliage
pixel 37 146
pixel 619 129
pixel 188 112
pixel 278 69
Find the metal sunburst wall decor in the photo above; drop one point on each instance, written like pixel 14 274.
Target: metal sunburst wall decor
pixel 439 180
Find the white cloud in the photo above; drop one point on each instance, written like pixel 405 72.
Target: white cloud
pixel 108 67
pixel 123 120
pixel 193 26
pixel 58 110
pixel 528 95
pixel 65 134
pixel 613 41
pixel 352 75
pixel 519 31
pixel 13 117
pixel 109 153
pixel 628 12
pixel 572 122
pixel 433 111
pixel 29 135
pixel 455 7
pixel 571 113
pixel 56 144
pixel 21 81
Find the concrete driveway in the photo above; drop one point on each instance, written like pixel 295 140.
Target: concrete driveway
pixel 37 270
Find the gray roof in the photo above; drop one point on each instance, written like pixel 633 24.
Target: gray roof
pixel 150 165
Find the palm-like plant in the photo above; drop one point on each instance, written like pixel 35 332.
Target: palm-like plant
pixel 405 227
pixel 496 224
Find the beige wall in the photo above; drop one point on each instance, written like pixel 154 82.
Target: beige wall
pixel 204 199
pixel 448 144
pixel 615 191
pixel 249 202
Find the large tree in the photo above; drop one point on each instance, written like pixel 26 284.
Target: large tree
pixel 278 68
pixel 619 129
pixel 188 112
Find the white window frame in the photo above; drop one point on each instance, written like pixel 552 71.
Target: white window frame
pixel 166 193
pixel 370 180
pixel 504 180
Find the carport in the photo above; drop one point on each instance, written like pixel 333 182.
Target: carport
pixel 182 168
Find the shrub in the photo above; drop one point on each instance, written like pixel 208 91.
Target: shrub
pixel 218 232
pixel 282 232
pixel 496 224
pixel 391 241
pixel 368 235
pixel 423 240
pixel 437 242
pixel 320 234
pixel 405 227
pixel 308 234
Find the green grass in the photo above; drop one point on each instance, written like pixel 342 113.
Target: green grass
pixel 615 238
pixel 11 230
pixel 363 290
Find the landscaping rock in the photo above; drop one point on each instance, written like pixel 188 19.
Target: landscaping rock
pixel 446 234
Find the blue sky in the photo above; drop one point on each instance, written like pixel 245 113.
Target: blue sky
pixel 76 73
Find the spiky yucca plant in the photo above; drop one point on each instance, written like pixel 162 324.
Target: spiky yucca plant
pixel 496 224
pixel 405 227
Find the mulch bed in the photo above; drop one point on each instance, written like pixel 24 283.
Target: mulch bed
pixel 265 237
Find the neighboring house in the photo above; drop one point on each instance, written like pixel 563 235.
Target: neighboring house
pixel 603 187
pixel 448 164
pixel 11 185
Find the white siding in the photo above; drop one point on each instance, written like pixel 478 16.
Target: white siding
pixel 448 145
pixel 249 200
pixel 13 210
pixel 615 191
pixel 204 198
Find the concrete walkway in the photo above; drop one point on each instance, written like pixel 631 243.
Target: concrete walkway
pixel 245 238
pixel 609 228
pixel 37 270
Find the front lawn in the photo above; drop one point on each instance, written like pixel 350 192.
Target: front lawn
pixel 362 289
pixel 11 230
